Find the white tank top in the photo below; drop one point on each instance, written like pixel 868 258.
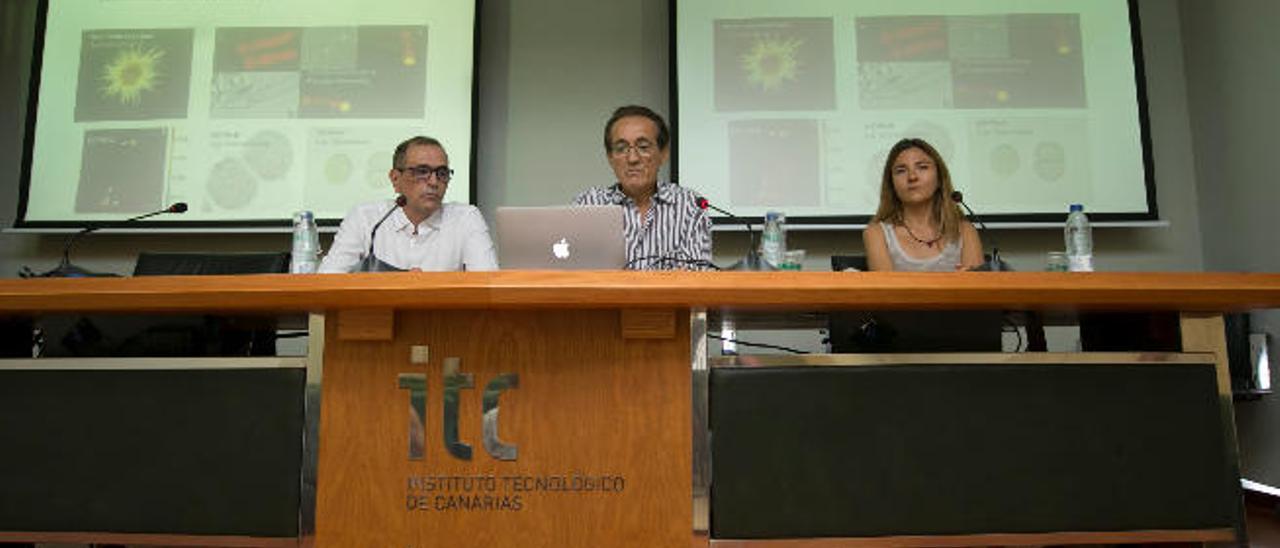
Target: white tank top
pixel 945 261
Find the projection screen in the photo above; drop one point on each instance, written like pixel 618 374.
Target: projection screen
pixel 248 110
pixel 792 106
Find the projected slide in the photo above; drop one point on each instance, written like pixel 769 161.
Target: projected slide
pixel 247 111
pixel 793 106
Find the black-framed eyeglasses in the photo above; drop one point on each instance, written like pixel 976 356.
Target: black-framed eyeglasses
pixel 424 172
pixel 622 148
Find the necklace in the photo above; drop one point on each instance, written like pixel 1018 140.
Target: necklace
pixel 921 241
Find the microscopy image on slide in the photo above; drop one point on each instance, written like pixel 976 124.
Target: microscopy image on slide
pixel 256 73
pixel 257 49
pixel 255 95
pixel 775 163
pixel 1005 160
pixel 1004 61
pixel 252 169
pixel 978 37
pixel 231 185
pixel 322 72
pixel 349 165
pixel 774 64
pixel 338 168
pixel 902 39
pixel 904 63
pixel 331 48
pixel 133 74
pixel 1032 161
pixel 1043 67
pixel 269 154
pixel 389 79
pixel 122 171
pixel 905 85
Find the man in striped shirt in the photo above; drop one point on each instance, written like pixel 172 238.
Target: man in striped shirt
pixel 664 227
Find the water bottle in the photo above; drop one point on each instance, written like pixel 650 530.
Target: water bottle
pixel 306 244
pixel 1079 237
pixel 773 240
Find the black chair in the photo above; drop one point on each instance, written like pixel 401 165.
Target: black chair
pixel 16 338
pixel 910 331
pixel 168 336
pixel 840 263
pixel 209 264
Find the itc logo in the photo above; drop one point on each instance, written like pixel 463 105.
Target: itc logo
pixel 454 382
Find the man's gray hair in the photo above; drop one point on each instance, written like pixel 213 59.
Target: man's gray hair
pixel 397 159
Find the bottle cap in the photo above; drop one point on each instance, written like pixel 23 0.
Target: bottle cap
pixel 1077 207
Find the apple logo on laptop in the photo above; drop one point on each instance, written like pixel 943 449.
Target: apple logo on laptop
pixel 560 249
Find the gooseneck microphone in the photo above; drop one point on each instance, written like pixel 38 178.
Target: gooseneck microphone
pixel 752 260
pixel 995 263
pixel 370 262
pixel 67 270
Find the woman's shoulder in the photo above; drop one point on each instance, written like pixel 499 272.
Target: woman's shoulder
pixel 878 226
pixel 874 231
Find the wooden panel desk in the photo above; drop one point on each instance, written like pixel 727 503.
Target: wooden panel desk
pixel 554 408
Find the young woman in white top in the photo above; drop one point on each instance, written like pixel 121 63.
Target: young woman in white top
pixel 917 226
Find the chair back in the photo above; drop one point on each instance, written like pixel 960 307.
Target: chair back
pixel 210 264
pixel 840 263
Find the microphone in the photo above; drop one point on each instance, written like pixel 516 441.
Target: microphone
pixel 370 262
pixel 752 261
pixel 67 270
pixel 995 263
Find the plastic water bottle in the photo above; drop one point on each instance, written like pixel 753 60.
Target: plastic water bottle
pixel 306 244
pixel 773 240
pixel 1079 237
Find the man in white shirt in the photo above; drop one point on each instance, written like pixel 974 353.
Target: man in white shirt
pixel 423 234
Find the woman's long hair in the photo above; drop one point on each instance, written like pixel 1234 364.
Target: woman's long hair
pixel 946 213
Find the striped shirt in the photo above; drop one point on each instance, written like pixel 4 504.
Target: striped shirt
pixel 675 233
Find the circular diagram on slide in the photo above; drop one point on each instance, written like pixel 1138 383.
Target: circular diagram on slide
pixel 1005 160
pixel 337 169
pixel 1050 161
pixel 231 184
pixel 269 154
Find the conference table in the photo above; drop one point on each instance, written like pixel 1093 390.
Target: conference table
pixel 540 408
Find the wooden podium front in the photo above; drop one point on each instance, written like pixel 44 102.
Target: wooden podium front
pixel 559 408
pixel 596 423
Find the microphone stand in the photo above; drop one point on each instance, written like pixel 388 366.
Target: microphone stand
pixel 371 262
pixel 752 261
pixel 995 264
pixel 67 270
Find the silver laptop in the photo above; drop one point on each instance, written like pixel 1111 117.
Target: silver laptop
pixel 561 238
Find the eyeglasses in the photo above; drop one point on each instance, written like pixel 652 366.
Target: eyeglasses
pixel 623 148
pixel 424 172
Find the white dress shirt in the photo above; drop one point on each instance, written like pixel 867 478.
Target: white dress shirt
pixel 455 237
